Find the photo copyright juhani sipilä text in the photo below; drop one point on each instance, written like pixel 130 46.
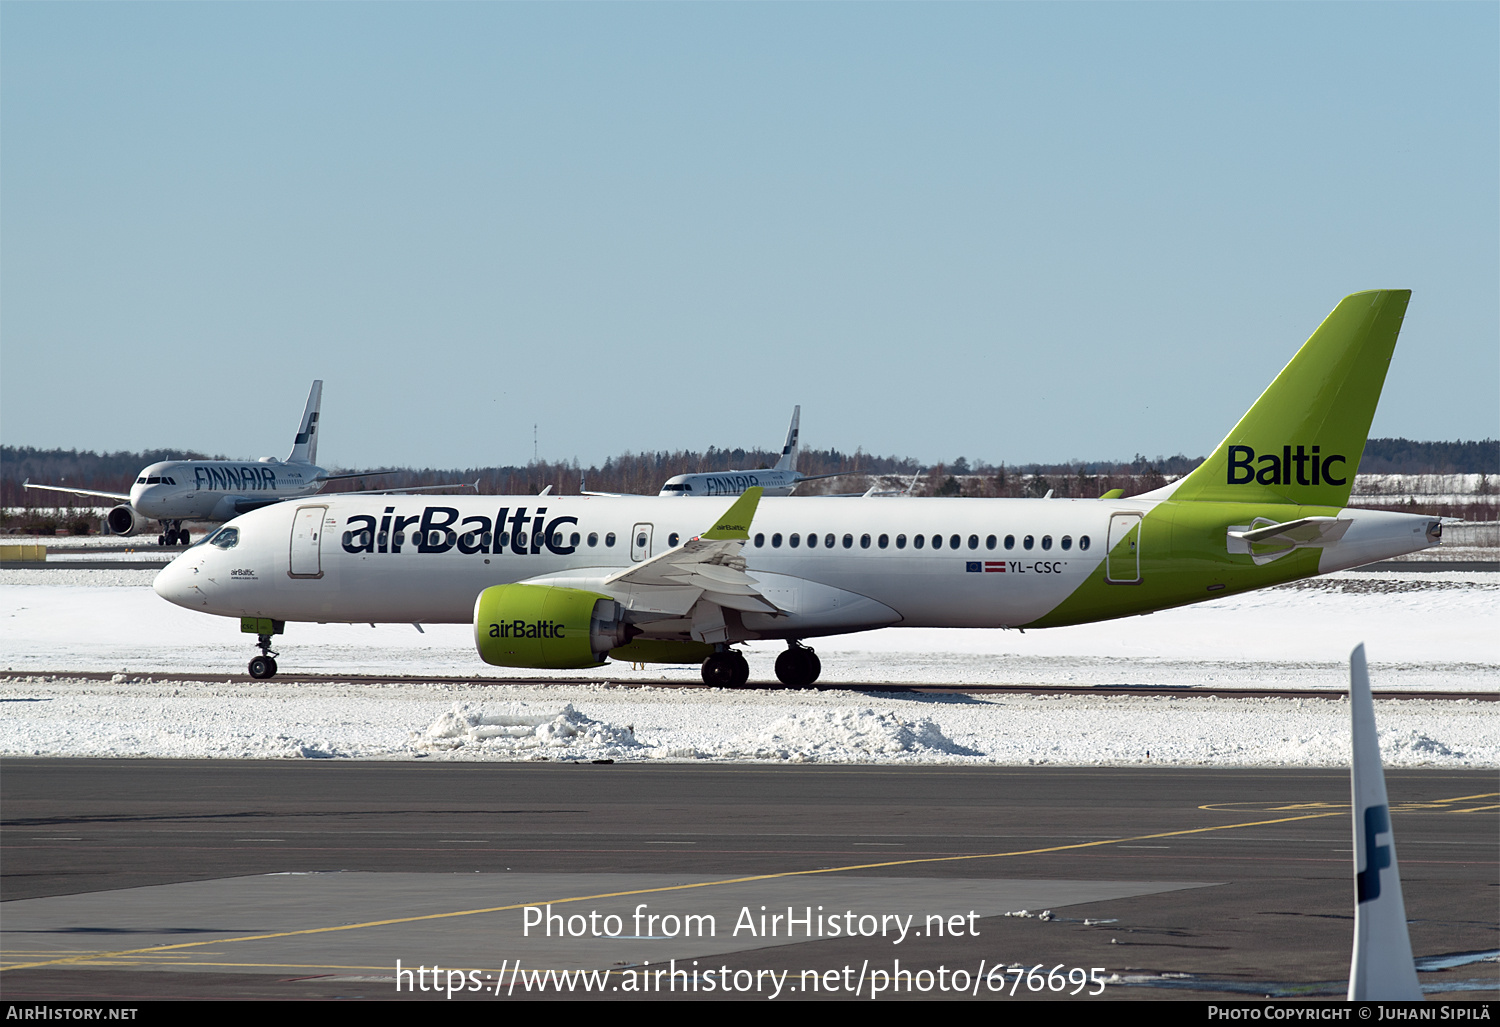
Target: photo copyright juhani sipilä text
pixel 514 977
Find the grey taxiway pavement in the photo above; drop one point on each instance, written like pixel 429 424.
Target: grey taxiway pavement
pixel 141 879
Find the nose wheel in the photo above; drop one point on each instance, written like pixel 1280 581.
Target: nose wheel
pixel 727 669
pixel 264 665
pixel 799 666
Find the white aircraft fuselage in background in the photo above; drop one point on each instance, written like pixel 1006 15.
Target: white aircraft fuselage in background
pixel 174 491
pixel 773 481
pixel 219 490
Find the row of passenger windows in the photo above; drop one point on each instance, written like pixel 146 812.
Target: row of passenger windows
pixel 918 541
pixel 473 540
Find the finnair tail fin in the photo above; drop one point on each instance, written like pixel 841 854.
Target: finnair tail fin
pixel 788 461
pixel 305 447
pixel 1302 440
pixel 1382 966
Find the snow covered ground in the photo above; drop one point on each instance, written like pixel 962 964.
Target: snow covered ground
pixel 1423 631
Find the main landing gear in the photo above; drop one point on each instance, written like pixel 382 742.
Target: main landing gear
pixel 799 666
pixel 726 669
pixel 174 535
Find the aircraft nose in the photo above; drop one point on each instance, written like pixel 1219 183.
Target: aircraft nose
pixel 176 583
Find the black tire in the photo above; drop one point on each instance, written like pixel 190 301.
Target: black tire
pixel 741 670
pixel 184 538
pixel 161 540
pixel 798 667
pixel 262 667
pixel 720 669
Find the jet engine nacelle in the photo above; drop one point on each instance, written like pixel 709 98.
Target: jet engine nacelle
pixel 546 627
pixel 125 520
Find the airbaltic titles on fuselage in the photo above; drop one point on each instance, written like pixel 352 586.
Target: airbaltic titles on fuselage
pixel 528 534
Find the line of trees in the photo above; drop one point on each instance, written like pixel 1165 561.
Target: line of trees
pixel 644 473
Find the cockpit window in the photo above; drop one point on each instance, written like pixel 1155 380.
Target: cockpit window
pixel 225 538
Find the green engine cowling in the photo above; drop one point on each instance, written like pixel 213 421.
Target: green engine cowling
pixel 546 627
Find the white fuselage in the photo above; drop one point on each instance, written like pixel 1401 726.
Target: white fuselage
pixel 217 490
pixel 731 483
pixel 980 563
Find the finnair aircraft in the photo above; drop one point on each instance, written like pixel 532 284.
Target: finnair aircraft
pixel 774 481
pixel 173 491
pixel 569 582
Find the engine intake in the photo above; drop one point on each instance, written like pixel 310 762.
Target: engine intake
pixel 124 520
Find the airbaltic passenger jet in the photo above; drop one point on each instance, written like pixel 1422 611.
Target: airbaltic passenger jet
pixel 563 582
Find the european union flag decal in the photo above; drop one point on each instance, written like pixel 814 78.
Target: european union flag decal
pixel 974 567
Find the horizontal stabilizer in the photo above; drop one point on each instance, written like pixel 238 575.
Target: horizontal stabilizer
pixel 1267 541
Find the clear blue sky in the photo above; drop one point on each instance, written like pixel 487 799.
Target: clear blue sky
pixel 1009 231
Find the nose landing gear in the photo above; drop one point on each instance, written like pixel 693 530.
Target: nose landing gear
pixel 799 666
pixel 263 628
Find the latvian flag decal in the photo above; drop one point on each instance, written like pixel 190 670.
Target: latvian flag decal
pixel 985 567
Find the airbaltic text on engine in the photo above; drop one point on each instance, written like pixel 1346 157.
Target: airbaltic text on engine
pixel 520 629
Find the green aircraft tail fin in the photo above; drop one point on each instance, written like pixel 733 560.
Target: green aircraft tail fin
pixel 1302 440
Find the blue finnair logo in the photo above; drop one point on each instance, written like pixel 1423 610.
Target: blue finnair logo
pixel 1377 820
pixel 312 426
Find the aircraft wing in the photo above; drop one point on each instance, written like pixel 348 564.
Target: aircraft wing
pixel 708 567
pixel 118 497
pixel 351 474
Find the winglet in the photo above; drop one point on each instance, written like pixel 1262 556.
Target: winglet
pixel 735 524
pixel 1381 967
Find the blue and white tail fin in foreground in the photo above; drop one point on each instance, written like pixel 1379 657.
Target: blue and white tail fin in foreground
pixel 788 461
pixel 1382 966
pixel 305 447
